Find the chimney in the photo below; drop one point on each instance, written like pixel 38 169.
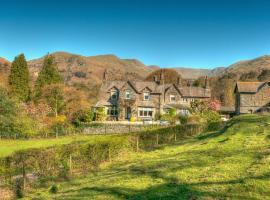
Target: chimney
pixel 178 81
pixel 206 84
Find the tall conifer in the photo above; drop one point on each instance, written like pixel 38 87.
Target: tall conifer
pixel 19 78
pixel 48 75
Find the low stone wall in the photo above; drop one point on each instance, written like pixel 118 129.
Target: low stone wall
pixel 115 128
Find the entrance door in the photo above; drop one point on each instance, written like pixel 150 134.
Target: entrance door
pixel 127 113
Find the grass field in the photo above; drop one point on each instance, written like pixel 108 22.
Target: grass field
pixel 230 164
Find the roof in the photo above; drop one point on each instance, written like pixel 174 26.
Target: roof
pixel 103 103
pixel 195 92
pixel 248 87
pixel 139 86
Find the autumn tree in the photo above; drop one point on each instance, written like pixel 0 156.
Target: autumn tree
pixel 19 78
pixel 53 96
pixel 48 75
pixel 165 76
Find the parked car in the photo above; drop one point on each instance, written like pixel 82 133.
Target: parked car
pixel 164 123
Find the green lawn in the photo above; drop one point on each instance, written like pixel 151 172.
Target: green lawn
pixel 230 164
pixel 7 147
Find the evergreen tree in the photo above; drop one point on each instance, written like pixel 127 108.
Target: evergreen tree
pixel 19 78
pixel 48 75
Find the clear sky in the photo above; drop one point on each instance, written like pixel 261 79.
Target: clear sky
pixel 169 33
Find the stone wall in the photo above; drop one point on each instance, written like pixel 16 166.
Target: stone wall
pixel 106 128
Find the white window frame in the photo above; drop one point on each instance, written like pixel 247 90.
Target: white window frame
pixel 171 97
pixel 127 94
pixel 146 94
pixel 144 112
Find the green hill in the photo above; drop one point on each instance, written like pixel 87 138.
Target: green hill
pixel 230 164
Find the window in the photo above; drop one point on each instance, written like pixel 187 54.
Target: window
pixel 172 98
pixel 146 96
pixel 185 100
pixel 114 94
pixel 127 94
pixel 112 111
pixel 145 112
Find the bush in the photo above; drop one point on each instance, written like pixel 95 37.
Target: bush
pixel 61 126
pixel 100 114
pixel 54 189
pixel 183 119
pixel 211 116
pixel 82 116
pixel 132 119
pixel 194 119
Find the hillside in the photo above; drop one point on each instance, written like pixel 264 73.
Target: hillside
pixel 90 70
pixel 192 73
pixel 229 164
pixel 256 64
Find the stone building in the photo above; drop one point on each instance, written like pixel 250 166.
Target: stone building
pixel 251 97
pixel 145 100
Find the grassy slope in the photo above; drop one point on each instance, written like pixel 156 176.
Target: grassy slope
pixel 234 164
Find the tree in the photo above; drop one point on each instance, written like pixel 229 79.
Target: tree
pixel 19 78
pixel 13 121
pixel 48 75
pixel 53 95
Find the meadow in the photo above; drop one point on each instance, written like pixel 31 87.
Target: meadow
pixel 233 163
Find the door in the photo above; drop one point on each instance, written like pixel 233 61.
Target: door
pixel 127 113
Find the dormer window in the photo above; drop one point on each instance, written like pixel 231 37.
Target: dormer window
pixel 114 94
pixel 146 96
pixel 127 94
pixel 172 98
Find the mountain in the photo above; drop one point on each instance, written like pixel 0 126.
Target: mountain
pixel 83 69
pixel 257 65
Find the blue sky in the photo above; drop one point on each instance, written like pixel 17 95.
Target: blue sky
pixel 189 33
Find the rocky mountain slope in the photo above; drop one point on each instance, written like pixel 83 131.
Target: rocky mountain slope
pixel 82 69
pixel 256 64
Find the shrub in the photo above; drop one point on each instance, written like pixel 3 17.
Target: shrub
pixel 194 119
pixel 210 116
pixel 132 119
pixel 54 189
pixel 183 119
pixel 61 126
pixel 100 114
pixel 82 116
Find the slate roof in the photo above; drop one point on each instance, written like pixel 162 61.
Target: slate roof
pixel 139 86
pixel 195 92
pixel 248 87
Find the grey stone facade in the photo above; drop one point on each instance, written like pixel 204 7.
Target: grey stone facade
pixel 142 100
pixel 251 97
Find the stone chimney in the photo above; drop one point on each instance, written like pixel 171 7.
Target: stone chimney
pixel 206 83
pixel 178 81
